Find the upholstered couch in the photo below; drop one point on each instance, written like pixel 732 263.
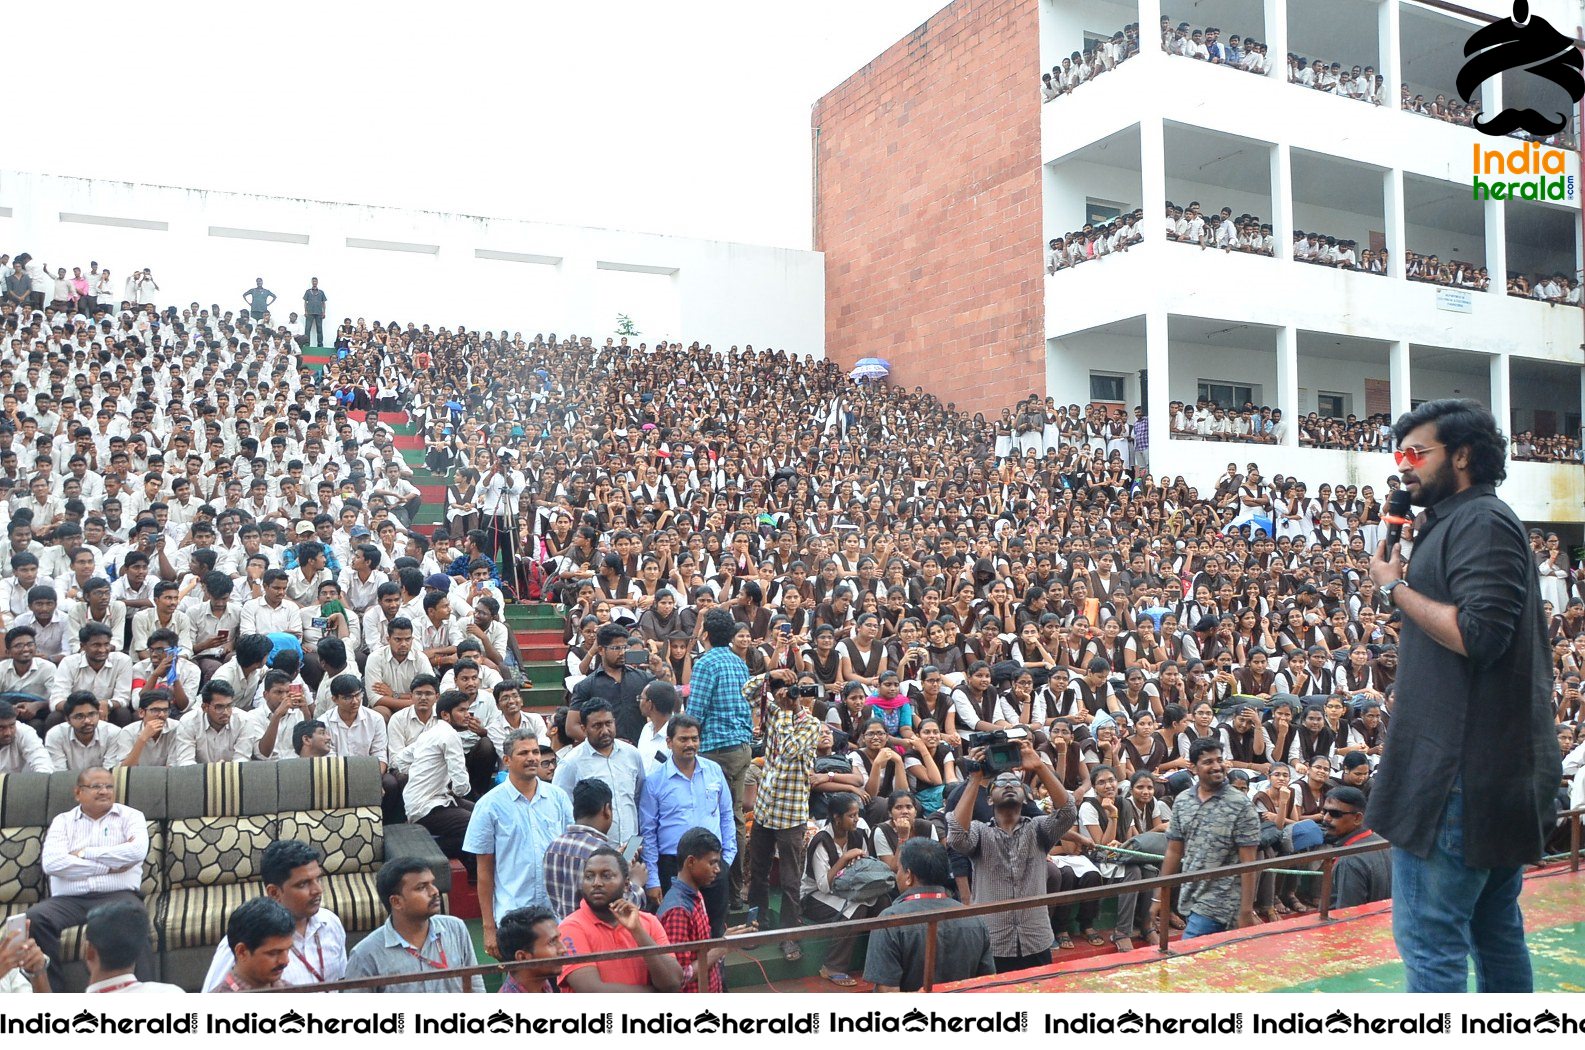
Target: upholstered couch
pixel 208 826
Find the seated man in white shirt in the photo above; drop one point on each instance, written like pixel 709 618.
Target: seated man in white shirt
pixel 403 731
pixel 93 855
pixel 216 732
pixel 106 674
pixel 81 741
pixel 21 751
pixel 150 741
pixel 438 785
pixel 168 669
pixel 292 876
pixel 356 730
pixel 284 706
pixel 24 672
pixel 273 612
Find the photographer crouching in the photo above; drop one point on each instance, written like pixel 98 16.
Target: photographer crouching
pixel 1009 851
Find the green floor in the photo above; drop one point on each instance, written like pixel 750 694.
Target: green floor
pixel 1354 954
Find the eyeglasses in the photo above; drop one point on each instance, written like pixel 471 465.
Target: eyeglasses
pixel 1330 812
pixel 1411 456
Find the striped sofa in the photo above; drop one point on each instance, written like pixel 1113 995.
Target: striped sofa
pixel 208 826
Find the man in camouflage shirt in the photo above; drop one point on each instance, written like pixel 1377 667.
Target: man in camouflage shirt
pixel 1212 825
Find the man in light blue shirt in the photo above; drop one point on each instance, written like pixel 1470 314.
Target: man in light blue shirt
pixel 602 756
pixel 686 792
pixel 509 831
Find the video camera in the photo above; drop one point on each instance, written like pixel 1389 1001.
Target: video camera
pixel 1003 750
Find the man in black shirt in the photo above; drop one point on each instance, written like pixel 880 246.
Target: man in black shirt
pixel 613 682
pixel 1364 877
pixel 1464 816
pixel 895 961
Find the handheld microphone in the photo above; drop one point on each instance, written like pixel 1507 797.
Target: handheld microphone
pixel 1396 515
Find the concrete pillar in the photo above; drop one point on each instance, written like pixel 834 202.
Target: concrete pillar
pixel 1282 202
pixel 1159 396
pixel 1496 245
pixel 1276 39
pixel 1288 381
pixel 1150 32
pixel 1153 175
pixel 1390 64
pixel 1397 221
pixel 1501 394
pixel 1398 376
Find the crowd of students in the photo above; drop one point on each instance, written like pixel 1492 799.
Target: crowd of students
pixel 1081 67
pixel 1206 45
pixel 806 593
pixel 1321 249
pixel 1363 84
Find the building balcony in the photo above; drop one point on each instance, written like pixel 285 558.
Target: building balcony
pixel 1267 109
pixel 1183 279
pixel 1538 492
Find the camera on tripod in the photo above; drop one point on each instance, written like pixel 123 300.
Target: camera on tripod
pixel 1003 751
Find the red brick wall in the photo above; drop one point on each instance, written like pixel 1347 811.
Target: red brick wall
pixel 928 207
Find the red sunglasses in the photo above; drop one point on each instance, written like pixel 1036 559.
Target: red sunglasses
pixel 1413 457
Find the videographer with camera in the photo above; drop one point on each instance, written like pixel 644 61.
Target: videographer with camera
pixel 1009 851
pixel 781 808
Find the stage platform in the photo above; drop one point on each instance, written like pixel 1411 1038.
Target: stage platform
pixel 1354 953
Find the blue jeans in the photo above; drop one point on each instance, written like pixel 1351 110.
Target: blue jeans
pixel 1444 911
pixel 1198 926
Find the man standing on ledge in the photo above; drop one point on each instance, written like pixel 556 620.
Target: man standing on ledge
pixel 259 299
pixel 314 313
pixel 1472 668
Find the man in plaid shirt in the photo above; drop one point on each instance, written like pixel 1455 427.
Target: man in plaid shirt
pixel 682 912
pixel 567 855
pixel 781 810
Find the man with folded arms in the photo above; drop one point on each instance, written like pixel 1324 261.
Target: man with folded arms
pixel 93 855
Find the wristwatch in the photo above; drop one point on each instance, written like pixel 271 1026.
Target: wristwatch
pixel 1387 589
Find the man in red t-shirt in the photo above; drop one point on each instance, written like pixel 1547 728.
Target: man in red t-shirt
pixel 606 922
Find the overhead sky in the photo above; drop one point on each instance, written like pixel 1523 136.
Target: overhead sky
pixel 681 117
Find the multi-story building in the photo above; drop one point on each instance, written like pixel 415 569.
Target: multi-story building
pixel 941 175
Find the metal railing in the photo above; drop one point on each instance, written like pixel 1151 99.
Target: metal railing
pixel 931 920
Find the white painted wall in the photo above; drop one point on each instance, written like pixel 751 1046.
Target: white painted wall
pixel 712 291
pixel 1064 23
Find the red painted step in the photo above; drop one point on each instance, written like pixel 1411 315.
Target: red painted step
pixel 540 636
pixel 538 653
pixel 406 441
pixel 462 901
pixel 434 495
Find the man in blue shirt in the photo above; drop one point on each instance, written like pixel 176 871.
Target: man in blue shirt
pixel 715 698
pixel 511 827
pixel 683 793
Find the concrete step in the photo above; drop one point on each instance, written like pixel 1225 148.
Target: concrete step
pixel 545 671
pixel 535 615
